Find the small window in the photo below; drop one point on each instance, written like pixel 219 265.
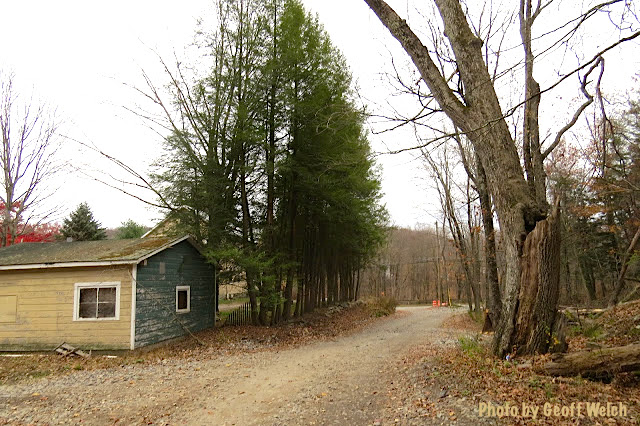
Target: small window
pixel 96 301
pixel 183 298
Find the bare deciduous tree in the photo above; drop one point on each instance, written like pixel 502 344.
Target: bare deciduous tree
pixel 27 158
pixel 462 238
pixel 530 232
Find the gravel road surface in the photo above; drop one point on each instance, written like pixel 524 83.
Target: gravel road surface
pixel 342 382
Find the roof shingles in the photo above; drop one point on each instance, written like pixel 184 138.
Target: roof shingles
pixel 82 251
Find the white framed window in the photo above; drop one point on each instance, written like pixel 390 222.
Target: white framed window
pixel 96 301
pixel 183 298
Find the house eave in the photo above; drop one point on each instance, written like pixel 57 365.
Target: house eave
pixel 66 265
pixel 164 247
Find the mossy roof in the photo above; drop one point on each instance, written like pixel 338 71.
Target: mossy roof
pixel 119 251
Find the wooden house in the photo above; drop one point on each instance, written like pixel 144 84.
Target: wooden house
pixel 111 294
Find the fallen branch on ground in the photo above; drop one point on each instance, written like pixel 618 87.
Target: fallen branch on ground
pixel 597 364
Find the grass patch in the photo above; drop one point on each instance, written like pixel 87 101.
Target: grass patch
pixel 590 331
pixel 476 316
pixel 470 346
pixel 39 374
pixel 593 331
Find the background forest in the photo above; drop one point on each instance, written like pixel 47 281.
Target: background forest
pixel 598 188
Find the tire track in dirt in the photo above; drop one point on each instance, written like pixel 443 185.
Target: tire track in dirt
pixel 338 382
pixel 343 381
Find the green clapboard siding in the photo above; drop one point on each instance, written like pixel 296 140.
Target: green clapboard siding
pixel 156 316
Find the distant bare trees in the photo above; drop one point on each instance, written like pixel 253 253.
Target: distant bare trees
pixel 415 265
pixel 27 159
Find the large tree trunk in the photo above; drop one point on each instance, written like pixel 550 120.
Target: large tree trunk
pixel 531 299
pixel 539 286
pixel 597 364
pixel 480 117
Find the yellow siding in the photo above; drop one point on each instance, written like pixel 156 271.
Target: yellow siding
pixel 8 306
pixel 44 314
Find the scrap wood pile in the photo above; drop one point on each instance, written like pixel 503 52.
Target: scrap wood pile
pixel 66 350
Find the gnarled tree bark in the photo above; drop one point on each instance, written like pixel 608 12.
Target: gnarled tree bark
pixel 539 286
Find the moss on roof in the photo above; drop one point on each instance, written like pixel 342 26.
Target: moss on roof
pixel 168 227
pixel 82 251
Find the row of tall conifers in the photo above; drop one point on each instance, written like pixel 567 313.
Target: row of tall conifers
pixel 267 162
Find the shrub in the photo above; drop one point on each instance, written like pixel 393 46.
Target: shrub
pixel 382 306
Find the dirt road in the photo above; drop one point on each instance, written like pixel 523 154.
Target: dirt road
pixel 344 381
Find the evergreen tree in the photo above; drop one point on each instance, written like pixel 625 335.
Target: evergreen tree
pixel 81 225
pixel 330 194
pixel 268 161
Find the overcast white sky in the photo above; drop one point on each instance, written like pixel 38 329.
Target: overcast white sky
pixel 77 55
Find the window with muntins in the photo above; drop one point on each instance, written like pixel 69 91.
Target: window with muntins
pixel 97 301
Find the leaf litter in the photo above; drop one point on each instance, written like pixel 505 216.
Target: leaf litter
pixel 444 381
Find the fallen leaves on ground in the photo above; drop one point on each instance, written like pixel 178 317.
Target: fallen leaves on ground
pixel 617 326
pixel 446 380
pixel 323 324
pixel 621 325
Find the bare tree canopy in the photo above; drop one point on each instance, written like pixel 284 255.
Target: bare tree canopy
pixel 27 157
pixel 456 70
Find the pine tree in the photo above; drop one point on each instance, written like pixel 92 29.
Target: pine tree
pixel 270 164
pixel 82 226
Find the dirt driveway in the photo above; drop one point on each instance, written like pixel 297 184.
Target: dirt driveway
pixel 344 381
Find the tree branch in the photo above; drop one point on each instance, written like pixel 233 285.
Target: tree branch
pixel 420 56
pixel 576 115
